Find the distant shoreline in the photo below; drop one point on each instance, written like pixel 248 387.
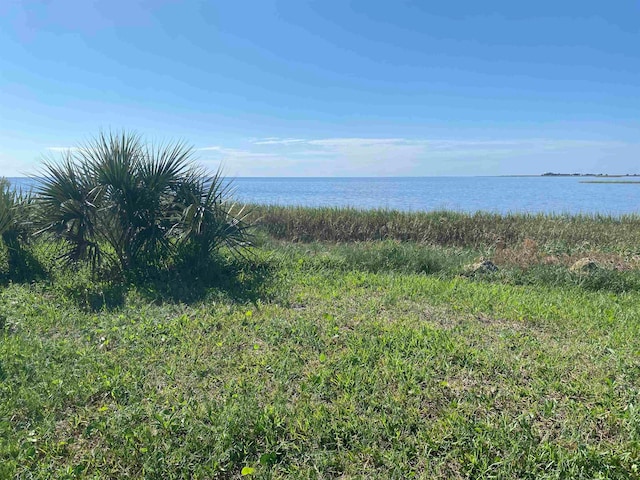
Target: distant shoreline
pixel 579 175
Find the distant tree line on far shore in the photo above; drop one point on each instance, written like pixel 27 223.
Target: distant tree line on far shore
pixel 553 174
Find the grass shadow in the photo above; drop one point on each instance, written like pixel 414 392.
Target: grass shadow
pixel 96 296
pixel 237 279
pixel 21 266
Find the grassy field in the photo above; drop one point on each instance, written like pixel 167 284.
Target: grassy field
pixel 336 351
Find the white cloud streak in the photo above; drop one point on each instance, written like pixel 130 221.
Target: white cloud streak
pixel 399 156
pixel 361 156
pixel 278 141
pixel 63 149
pixel 234 152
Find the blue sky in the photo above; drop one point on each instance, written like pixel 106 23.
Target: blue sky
pixel 329 87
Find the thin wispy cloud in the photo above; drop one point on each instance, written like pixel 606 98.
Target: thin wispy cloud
pixel 341 142
pixel 234 152
pixel 278 141
pixel 339 156
pixel 63 149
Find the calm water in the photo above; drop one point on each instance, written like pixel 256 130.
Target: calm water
pixel 495 194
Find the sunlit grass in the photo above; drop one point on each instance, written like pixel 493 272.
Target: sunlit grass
pixel 371 360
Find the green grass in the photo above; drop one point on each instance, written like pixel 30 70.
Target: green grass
pixel 352 360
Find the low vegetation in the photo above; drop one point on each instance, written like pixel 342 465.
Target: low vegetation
pixel 312 361
pixel 343 344
pixel 480 230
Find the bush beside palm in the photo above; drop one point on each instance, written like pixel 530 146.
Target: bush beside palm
pixel 120 202
pixel 15 233
pixel 13 215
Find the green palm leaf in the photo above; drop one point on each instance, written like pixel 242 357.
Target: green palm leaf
pixel 119 199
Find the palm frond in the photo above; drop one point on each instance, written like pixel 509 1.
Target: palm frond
pixel 209 221
pixel 68 209
pixel 116 197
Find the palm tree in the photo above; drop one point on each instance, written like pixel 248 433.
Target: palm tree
pixel 131 204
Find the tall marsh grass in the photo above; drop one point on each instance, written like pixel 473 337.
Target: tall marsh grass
pixel 447 228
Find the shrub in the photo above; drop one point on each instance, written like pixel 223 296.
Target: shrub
pixel 15 230
pixel 122 202
pixel 14 221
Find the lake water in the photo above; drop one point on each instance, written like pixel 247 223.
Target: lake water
pixel 468 194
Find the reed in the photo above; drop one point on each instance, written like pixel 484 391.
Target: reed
pixel 449 228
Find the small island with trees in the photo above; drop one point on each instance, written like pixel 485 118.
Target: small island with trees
pixel 617 178
pixel 606 175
